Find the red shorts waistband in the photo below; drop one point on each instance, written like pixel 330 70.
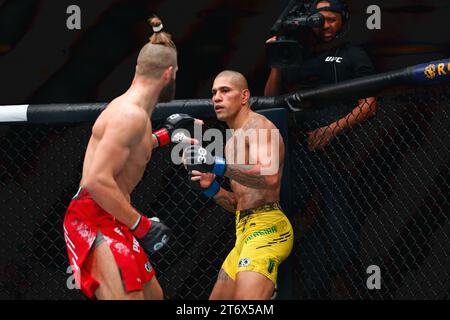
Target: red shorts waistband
pixel 86 207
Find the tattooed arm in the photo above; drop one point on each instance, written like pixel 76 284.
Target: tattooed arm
pixel 265 156
pixel 226 200
pixel 247 175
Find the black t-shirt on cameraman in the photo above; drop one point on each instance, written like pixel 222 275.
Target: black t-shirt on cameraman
pixel 340 63
pixel 330 66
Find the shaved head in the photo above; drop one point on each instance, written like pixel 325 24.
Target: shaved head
pixel 154 59
pixel 236 78
pixel 230 95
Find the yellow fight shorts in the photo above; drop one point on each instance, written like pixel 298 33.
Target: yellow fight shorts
pixel 264 239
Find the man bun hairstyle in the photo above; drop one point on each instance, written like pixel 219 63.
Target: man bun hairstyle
pixel 159 36
pixel 158 54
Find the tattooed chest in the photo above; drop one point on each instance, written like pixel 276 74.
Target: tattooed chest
pixel 237 151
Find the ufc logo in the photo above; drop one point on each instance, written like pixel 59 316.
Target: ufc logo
pixel 333 59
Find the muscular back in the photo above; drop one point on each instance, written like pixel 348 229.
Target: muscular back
pixel 120 146
pixel 248 197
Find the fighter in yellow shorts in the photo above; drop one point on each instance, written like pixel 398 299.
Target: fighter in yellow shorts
pixel 254 157
pixel 263 240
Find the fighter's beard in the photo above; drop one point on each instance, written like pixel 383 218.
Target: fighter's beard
pixel 168 92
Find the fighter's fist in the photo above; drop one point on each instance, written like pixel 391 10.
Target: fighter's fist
pixel 165 134
pixel 151 234
pixel 199 159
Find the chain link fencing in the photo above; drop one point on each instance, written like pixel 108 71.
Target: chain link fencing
pixel 376 195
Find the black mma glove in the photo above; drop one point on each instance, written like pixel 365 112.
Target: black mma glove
pixel 151 234
pixel 198 158
pixel 172 123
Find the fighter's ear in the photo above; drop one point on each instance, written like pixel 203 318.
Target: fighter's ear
pixel 245 96
pixel 175 70
pixel 168 74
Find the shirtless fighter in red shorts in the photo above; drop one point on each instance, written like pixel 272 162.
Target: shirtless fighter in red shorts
pixel 107 239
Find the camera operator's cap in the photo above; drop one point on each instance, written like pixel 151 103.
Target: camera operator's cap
pixel 335 6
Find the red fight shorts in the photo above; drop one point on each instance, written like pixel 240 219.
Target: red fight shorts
pixel 83 222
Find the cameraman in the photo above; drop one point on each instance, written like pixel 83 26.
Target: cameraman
pixel 329 59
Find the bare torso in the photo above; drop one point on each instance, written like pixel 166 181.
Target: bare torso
pixel 247 197
pixel 133 169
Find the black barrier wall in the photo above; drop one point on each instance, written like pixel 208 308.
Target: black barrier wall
pixel 375 197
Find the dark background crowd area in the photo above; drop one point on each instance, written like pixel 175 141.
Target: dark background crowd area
pixel 41 61
pixel 382 197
